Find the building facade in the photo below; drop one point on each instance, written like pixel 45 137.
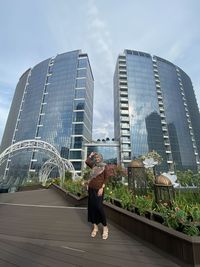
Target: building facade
pixel 155 109
pixel 53 102
pixel 107 148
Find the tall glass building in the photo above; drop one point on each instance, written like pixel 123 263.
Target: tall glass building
pixel 155 109
pixel 53 102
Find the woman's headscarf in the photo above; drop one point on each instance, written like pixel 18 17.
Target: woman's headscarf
pixel 98 168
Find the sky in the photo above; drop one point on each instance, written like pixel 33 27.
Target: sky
pixel 34 30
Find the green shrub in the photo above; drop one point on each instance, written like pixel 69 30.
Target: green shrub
pixel 75 187
pixel 143 203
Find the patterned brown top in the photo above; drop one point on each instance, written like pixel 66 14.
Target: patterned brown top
pixel 99 180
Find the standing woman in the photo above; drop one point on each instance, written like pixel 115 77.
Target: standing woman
pixel 98 178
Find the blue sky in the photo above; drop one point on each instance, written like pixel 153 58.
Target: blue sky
pixel 33 30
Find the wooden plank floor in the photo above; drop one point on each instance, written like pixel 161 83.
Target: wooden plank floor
pixel 39 228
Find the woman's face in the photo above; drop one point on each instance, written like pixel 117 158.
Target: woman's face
pixel 97 158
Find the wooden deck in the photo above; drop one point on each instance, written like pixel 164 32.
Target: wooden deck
pixel 39 228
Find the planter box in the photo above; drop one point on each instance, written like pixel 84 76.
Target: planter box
pixel 71 198
pixel 116 202
pixel 157 217
pixel 30 187
pixel 184 247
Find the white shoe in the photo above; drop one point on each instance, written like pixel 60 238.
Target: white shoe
pixel 94 232
pixel 105 234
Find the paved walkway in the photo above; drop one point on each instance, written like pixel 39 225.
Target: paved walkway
pixel 38 228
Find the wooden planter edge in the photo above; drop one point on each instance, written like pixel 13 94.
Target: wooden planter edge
pixel 73 199
pixel 184 247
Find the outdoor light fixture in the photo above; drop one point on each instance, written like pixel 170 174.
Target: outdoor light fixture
pixel 137 177
pixel 164 190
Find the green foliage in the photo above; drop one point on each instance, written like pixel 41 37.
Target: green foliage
pixel 68 175
pixel 188 178
pixel 194 213
pixel 143 203
pixel 121 193
pixel 191 196
pixel 75 187
pixel 182 217
pixel 117 175
pixel 108 193
pixel 86 173
pixel 125 196
pixel 196 180
pixel 55 181
pixel 191 230
pixel 185 178
pixel 150 178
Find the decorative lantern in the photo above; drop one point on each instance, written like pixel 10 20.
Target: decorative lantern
pixel 137 177
pixel 164 190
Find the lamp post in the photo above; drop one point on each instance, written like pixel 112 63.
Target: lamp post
pixel 137 177
pixel 164 190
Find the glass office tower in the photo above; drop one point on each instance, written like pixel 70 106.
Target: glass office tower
pixel 53 102
pixel 155 109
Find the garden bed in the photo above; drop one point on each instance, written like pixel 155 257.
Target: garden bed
pixel 80 201
pixel 181 246
pixel 184 247
pixel 30 187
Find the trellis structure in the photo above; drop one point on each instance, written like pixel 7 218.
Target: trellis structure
pixel 55 159
pixel 49 165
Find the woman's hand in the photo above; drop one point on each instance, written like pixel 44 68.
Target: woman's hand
pixel 100 192
pixel 92 154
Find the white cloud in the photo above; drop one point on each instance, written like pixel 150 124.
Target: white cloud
pixel 5 100
pixel 102 29
pixel 103 131
pixel 4 114
pixel 100 43
pixel 175 51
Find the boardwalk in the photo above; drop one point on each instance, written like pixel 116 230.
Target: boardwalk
pixel 39 228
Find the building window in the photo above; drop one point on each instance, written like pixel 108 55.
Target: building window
pixel 78 116
pixel 77 165
pixel 81 73
pixel 78 128
pixel 82 63
pixel 75 154
pixel 80 93
pixel 80 83
pixel 79 104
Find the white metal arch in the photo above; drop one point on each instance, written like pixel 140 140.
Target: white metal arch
pixel 49 165
pixel 28 144
pixel 57 160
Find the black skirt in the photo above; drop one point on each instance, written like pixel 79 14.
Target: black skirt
pixel 96 212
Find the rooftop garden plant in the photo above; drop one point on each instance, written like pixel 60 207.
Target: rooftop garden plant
pixel 182 215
